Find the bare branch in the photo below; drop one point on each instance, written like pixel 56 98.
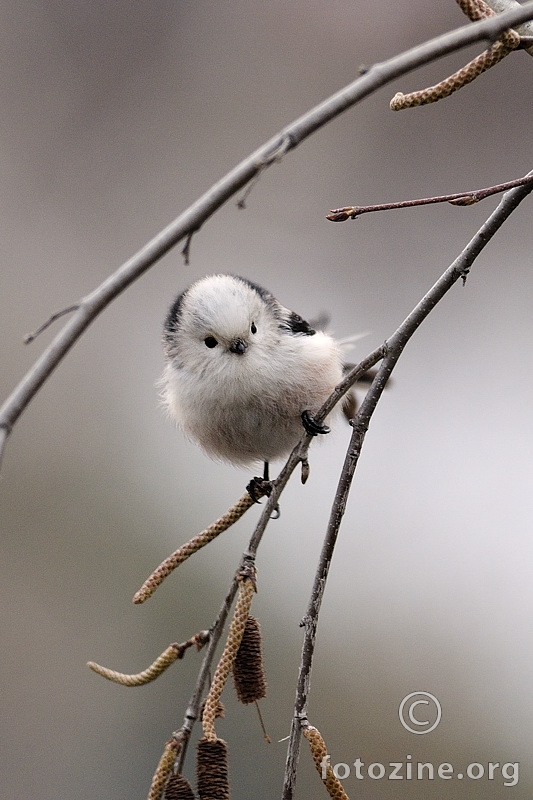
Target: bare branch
pixel 193 709
pixel 58 314
pixel 5 430
pixel 457 199
pixel 194 217
pixel 186 251
pixel 393 349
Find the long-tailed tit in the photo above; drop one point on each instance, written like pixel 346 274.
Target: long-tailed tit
pixel 243 373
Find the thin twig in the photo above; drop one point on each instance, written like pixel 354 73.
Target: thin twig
pixel 393 349
pixel 5 430
pixel 186 250
pixel 459 199
pixel 248 557
pixel 194 217
pixel 58 314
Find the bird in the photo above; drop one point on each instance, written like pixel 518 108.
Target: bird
pixel 244 376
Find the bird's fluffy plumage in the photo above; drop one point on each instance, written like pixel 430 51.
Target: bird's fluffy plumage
pixel 241 368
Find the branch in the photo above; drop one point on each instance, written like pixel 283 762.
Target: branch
pixel 393 349
pixel 193 709
pixel 194 217
pixel 458 199
pixel 525 29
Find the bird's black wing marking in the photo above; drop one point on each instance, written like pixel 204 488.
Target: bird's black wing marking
pixel 171 322
pixel 296 324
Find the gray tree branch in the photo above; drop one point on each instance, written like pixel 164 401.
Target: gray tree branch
pixel 392 350
pixel 500 6
pixel 191 220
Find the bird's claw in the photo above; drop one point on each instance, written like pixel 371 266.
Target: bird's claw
pixel 313 427
pixel 259 487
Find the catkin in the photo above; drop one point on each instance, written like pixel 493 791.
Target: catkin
pixel 212 776
pixel 248 673
pixel 178 788
pixel 235 633
pixel 319 752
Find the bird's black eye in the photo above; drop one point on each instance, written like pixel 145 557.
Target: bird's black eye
pixel 210 341
pixel 253 328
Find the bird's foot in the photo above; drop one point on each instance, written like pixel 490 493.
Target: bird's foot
pixel 259 487
pixel 312 426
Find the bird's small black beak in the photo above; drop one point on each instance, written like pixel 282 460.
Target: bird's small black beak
pixel 238 346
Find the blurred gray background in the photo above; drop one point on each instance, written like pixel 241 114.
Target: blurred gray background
pixel 114 118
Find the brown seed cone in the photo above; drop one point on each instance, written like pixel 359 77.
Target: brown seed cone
pixel 178 788
pixel 248 672
pixel 212 778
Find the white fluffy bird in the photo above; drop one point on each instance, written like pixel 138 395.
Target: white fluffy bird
pixel 244 375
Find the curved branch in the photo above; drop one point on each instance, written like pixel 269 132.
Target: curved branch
pixel 193 218
pixel 394 347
